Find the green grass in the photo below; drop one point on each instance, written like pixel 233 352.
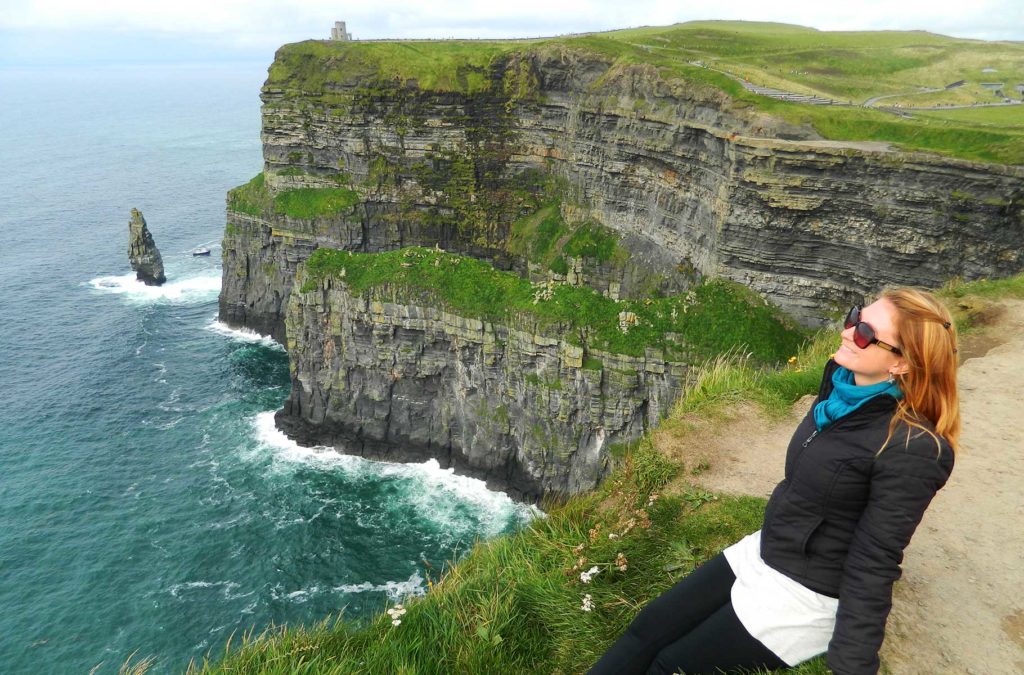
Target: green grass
pixel 730 377
pixel 1002 117
pixel 1010 287
pixel 547 233
pixel 972 303
pixel 544 238
pixel 592 240
pixel 852 65
pixel 849 66
pixel 255 199
pixel 710 319
pixel 963 141
pixel 455 65
pixel 309 203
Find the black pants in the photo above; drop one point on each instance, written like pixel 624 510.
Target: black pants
pixel 690 628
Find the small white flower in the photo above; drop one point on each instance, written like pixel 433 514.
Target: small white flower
pixel 396 622
pixel 612 535
pixel 587 605
pixel 585 577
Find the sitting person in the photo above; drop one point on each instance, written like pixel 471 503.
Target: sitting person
pixel 861 469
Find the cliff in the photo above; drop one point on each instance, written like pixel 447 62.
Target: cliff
pixel 143 254
pixel 557 162
pixel 378 375
pixel 419 353
pixel 687 184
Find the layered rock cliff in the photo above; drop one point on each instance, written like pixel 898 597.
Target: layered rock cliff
pixel 380 375
pixel 689 186
pixel 143 254
pixel 558 163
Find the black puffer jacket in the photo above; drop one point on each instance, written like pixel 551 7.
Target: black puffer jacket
pixel 839 521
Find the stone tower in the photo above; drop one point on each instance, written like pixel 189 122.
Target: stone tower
pixel 338 32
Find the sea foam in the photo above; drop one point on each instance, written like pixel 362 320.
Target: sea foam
pixel 242 334
pixel 190 289
pixel 439 494
pixel 395 590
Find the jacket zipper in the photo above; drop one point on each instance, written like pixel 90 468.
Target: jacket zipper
pixel 815 433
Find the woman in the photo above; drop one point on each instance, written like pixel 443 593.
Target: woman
pixel 862 467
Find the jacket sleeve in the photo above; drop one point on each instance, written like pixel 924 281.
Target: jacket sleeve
pixel 903 483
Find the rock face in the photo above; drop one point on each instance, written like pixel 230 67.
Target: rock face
pixel 690 187
pixel 563 166
pixel 377 376
pixel 143 253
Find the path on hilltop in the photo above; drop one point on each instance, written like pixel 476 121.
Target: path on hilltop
pixel 959 607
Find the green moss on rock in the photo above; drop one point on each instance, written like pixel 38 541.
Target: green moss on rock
pixel 255 199
pixel 714 317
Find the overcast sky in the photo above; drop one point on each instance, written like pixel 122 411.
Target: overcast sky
pixel 49 31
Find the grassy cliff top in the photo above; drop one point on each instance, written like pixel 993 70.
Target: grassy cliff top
pixel 710 319
pixel 845 66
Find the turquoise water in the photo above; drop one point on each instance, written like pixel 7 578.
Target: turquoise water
pixel 147 504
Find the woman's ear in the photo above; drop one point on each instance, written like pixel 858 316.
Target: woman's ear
pixel 901 367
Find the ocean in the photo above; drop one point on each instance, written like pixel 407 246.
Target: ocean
pixel 148 506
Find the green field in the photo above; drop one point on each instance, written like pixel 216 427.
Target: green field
pixel 845 66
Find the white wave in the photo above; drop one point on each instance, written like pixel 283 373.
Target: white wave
pixel 226 588
pixel 289 452
pixel 189 585
pixel 444 494
pixel 190 289
pixel 439 494
pixel 395 590
pixel 300 596
pixel 242 334
pixel 303 595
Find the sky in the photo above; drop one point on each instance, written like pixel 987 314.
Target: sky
pixel 39 32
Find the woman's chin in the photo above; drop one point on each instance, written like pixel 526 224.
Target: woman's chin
pixel 842 356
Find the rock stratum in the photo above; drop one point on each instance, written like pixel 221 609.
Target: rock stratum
pixel 385 377
pixel 558 164
pixel 143 254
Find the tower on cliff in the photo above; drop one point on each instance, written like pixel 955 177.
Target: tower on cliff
pixel 338 32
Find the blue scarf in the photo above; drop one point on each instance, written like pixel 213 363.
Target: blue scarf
pixel 846 397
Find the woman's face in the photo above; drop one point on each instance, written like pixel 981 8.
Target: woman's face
pixel 872 364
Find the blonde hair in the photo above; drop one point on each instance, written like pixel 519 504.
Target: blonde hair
pixel 927 337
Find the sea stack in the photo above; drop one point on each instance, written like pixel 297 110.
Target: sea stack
pixel 143 253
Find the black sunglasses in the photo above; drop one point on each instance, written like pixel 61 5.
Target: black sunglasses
pixel 864 334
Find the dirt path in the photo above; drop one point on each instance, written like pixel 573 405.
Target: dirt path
pixel 959 607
